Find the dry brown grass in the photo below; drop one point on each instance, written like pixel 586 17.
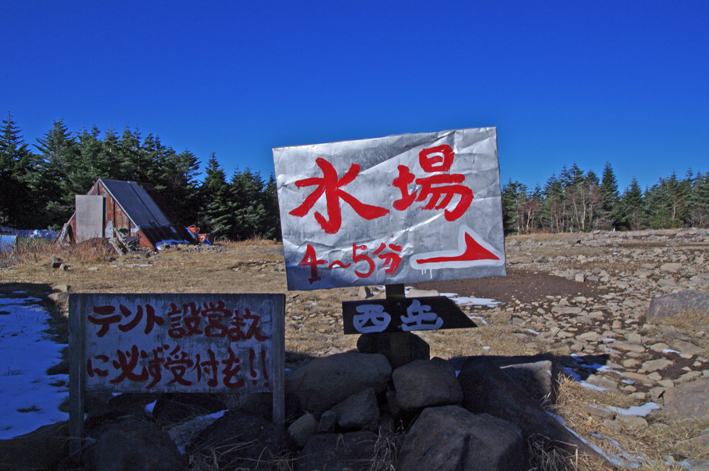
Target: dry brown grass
pixel 656 441
pixel 31 252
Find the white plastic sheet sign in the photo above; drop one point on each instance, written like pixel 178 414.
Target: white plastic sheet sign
pixel 397 209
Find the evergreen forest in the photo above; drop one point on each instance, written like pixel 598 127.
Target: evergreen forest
pixel 38 185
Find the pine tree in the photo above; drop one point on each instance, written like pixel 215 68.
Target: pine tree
pixel 513 200
pixel 16 161
pixel 215 214
pixel 555 202
pixel 632 207
pixel 246 190
pixel 61 173
pixel 609 196
pixel 699 201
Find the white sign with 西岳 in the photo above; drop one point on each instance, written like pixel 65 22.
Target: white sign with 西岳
pixel 392 210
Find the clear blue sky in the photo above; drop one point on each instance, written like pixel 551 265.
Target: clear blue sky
pixel 563 81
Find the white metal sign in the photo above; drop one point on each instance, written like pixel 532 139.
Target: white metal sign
pixel 398 209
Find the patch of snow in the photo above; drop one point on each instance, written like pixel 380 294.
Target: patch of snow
pixel 487 348
pixel 30 397
pixel 622 455
pixel 467 301
pixel 615 460
pixel 531 331
pixel 669 350
pixel 637 411
pixel 149 407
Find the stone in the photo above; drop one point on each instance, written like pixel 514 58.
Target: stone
pixel 243 440
pixel 659 347
pixel 450 438
pixel 381 343
pixel 629 347
pixel 61 297
pixel 687 348
pixel 589 337
pixel 426 383
pixel 599 412
pixel 171 408
pixel 327 423
pixel 688 400
pixel 671 267
pixel 666 282
pixel 654 365
pixel 612 425
pixel 327 381
pixel 360 410
pixel 55 262
pixel 633 337
pixel 535 378
pixel 136 446
pixel 580 277
pixel 666 383
pixel 302 429
pixel 421 293
pixel 21 452
pixel 602 382
pixel 699 443
pixel 685 303
pixel 487 389
pixel 364 292
pixel 566 310
pixel 337 452
pixel 631 422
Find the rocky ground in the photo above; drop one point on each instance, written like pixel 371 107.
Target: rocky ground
pixel 580 300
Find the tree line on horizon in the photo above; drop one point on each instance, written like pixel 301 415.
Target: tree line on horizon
pixel 38 186
pixel 37 189
pixel 578 201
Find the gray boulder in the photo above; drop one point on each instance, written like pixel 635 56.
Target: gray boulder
pixel 685 303
pixel 21 453
pixel 360 410
pixel 487 389
pixel 137 446
pixel 688 401
pixel 535 378
pixel 325 382
pixel 238 440
pixel 426 383
pixel 337 452
pixel 450 438
pixel 381 343
pixel 302 429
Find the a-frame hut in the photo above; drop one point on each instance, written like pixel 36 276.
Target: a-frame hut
pixel 123 210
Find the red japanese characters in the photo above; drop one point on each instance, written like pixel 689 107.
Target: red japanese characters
pixel 188 345
pixel 439 189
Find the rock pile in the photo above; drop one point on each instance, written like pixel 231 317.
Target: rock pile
pixel 342 409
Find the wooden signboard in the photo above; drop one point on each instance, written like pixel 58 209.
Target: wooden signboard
pixel 403 315
pixel 175 343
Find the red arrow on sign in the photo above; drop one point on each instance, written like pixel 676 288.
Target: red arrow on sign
pixel 472 251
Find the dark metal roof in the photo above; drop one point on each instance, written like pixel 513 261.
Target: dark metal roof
pixel 136 203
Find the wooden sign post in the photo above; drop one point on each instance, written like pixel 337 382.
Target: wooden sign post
pixel 175 343
pixel 388 211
